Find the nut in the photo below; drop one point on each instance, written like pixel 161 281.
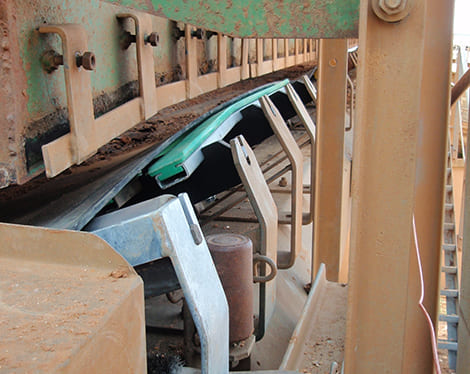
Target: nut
pixel 87 60
pixel 392 10
pixel 152 39
pixel 51 61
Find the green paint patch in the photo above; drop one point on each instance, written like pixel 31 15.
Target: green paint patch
pixel 262 18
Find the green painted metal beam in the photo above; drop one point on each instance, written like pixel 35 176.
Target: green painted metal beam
pixel 260 18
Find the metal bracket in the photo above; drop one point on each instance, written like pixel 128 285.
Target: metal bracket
pixel 310 128
pixel 145 64
pixel 166 227
pixel 87 134
pixel 294 154
pixel 79 96
pixel 201 285
pixel 266 212
pixel 310 88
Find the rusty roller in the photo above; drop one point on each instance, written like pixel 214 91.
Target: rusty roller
pixel 233 258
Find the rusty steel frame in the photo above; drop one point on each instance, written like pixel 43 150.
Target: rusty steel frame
pixel 72 148
pixel 260 18
pixel 88 134
pixel 384 324
pixel 331 106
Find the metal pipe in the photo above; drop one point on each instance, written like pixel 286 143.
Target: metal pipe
pixel 460 87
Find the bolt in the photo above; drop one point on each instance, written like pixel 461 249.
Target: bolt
pixel 210 34
pixel 87 60
pixel 51 61
pixel 392 7
pixel 198 34
pixel 177 33
pixel 152 39
pixel 126 39
pixel 392 4
pixel 392 10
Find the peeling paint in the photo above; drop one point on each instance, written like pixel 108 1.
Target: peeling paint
pixel 261 18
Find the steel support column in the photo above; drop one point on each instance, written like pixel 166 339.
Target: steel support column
pixel 430 177
pixel 330 154
pixel 383 334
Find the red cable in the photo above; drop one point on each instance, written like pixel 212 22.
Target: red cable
pixel 420 303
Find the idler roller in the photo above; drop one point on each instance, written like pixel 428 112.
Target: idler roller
pixel 233 258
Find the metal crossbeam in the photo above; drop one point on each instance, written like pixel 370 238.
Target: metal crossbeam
pixel 261 18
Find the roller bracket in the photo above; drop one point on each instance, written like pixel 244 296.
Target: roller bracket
pixel 78 87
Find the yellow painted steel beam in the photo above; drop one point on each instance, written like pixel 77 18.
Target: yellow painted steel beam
pixel 385 331
pixel 329 156
pixel 430 175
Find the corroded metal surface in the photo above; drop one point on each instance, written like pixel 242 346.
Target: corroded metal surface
pixel 261 18
pixel 33 106
pixel 384 286
pixel 232 255
pixel 11 97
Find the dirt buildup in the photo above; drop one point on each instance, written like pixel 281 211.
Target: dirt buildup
pixel 170 120
pixel 163 363
pixel 146 134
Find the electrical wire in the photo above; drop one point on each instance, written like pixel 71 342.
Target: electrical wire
pixel 420 303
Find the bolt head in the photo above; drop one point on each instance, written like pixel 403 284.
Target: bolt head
pixel 153 39
pixel 392 7
pixel 392 10
pixel 177 33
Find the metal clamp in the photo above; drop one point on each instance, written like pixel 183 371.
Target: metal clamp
pixel 310 128
pixel 257 259
pixel 265 209
pixel 286 259
pixel 144 40
pixel 165 227
pixel 78 86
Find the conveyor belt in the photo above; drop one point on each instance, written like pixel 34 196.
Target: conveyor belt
pixel 177 162
pixel 72 208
